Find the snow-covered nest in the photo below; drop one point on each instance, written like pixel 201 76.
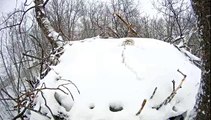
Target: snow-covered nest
pixel 113 79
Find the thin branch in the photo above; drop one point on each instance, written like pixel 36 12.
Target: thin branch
pixel 72 84
pixel 9 16
pixel 45 101
pixel 153 92
pixel 171 96
pixel 20 114
pixel 142 107
pixel 45 3
pixel 24 54
pixel 195 62
pixel 21 20
pixel 128 25
pixel 12 98
pixel 173 82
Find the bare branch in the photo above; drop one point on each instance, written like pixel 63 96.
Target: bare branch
pixel 173 82
pixel 45 101
pixel 21 20
pixel 24 54
pixel 131 31
pixel 174 92
pixel 142 107
pixel 153 92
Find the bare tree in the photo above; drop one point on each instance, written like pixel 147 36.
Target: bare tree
pixel 177 14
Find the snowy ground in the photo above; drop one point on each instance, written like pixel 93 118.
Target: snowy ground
pixel 114 77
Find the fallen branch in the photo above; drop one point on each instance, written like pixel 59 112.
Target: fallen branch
pixel 153 92
pixel 142 107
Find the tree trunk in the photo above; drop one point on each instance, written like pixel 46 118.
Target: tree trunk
pixel 53 37
pixel 202 10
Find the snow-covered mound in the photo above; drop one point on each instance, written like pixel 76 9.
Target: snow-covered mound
pixel 108 79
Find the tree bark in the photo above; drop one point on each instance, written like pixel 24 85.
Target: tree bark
pixel 202 10
pixel 53 37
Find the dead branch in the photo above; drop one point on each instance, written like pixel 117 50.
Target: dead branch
pixel 142 106
pixel 10 96
pixel 174 92
pixel 173 82
pixel 24 54
pixel 72 84
pixel 68 91
pixel 131 31
pixel 45 101
pixel 113 32
pixel 153 92
pixel 20 114
pixel 195 62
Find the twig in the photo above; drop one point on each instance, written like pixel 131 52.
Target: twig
pixel 195 62
pixel 24 54
pixel 72 84
pixel 142 106
pixel 20 114
pixel 173 82
pixel 40 89
pixel 174 92
pixel 12 98
pixel 21 20
pixel 181 37
pixel 153 92
pixel 114 32
pixel 128 25
pixel 45 101
pixel 68 91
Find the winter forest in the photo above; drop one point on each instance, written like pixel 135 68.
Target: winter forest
pixel 105 60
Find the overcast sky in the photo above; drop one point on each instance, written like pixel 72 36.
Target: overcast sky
pixel 9 5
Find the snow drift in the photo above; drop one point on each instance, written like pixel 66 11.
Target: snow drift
pixel 108 79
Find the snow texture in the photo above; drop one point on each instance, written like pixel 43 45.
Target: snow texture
pixel 114 76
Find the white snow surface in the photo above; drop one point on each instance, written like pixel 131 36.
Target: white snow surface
pixel 96 66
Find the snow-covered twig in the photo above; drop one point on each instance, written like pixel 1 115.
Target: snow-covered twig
pixel 48 88
pixel 63 85
pixel 72 84
pixel 171 96
pixel 196 61
pixel 142 107
pixel 177 39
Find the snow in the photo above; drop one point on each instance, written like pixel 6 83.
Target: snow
pixel 108 79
